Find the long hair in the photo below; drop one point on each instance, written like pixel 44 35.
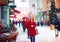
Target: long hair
pixel 32 18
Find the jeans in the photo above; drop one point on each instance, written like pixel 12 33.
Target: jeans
pixel 56 32
pixel 32 38
pixel 28 34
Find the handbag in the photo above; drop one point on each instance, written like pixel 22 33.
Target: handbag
pixel 37 32
pixel 52 27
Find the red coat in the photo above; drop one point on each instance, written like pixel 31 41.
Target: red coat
pixel 31 28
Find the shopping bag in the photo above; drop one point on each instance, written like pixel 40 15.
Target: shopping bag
pixel 52 27
pixel 37 32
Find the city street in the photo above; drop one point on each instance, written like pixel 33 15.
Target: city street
pixel 45 35
pixel 41 17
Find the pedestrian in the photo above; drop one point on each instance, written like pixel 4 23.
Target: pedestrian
pixel 59 25
pixel 31 28
pixel 56 24
pixel 0 25
pixel 41 23
pixel 16 22
pixel 27 22
pixel 48 23
pixel 19 23
pixel 23 24
pixel 12 26
pixel 13 22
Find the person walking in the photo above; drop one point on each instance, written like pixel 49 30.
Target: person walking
pixel 56 24
pixel 0 25
pixel 19 23
pixel 23 24
pixel 59 25
pixel 31 29
pixel 13 22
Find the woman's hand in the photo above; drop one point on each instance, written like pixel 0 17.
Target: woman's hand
pixel 31 25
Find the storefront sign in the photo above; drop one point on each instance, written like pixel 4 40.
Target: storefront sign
pixel 3 2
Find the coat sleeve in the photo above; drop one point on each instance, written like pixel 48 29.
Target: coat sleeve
pixel 56 23
pixel 27 24
pixel 34 24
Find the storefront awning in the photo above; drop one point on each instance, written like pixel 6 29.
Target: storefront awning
pixel 12 16
pixel 3 2
pixel 13 11
pixel 16 11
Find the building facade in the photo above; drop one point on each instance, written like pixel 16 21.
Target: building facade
pixel 47 3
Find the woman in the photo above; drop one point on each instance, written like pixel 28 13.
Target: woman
pixel 31 28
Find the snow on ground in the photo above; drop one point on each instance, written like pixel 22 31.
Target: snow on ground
pixel 45 35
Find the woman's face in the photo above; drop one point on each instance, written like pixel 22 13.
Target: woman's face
pixel 32 18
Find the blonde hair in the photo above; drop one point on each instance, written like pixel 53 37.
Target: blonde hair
pixel 32 18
